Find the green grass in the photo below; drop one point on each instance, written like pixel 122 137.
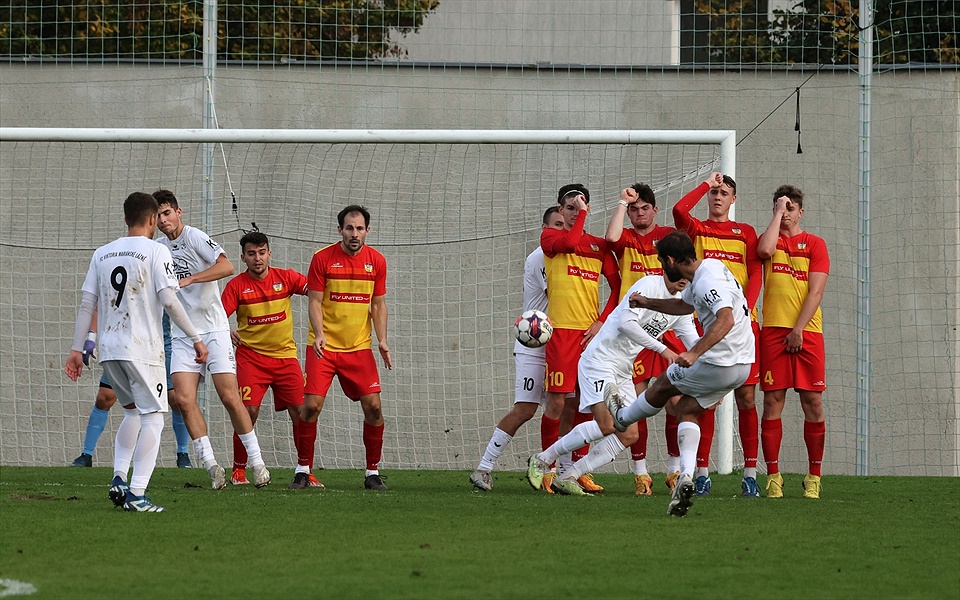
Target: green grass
pixel 431 536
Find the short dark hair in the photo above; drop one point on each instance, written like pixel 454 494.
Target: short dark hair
pixel 790 191
pixel 354 208
pixel 730 183
pixel 678 246
pixel 255 238
pixel 573 187
pixel 645 193
pixel 138 207
pixel 550 211
pixel 166 197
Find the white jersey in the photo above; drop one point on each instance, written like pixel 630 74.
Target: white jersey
pixel 193 252
pixel 126 275
pixel 534 294
pixel 611 350
pixel 714 287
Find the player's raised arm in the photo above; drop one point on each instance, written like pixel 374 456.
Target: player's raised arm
pixel 615 227
pixel 681 210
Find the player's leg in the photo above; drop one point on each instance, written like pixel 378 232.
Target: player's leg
pixel 150 396
pixel 706 423
pixel 749 426
pixel 97 422
pixel 238 475
pixel 810 370
pixel 228 391
pixel 373 426
pixel 176 419
pixel 360 380
pixel 776 366
pixel 688 409
pixel 673 448
pixel 186 382
pixel 254 374
pixel 642 482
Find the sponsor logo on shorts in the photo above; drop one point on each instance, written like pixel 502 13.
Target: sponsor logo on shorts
pixel 267 319
pixel 819 383
pixel 353 298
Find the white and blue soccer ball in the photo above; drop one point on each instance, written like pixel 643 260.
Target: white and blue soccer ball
pixel 533 329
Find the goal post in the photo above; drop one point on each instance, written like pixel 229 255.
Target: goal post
pixel 454 211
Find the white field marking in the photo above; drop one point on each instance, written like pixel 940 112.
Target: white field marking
pixel 12 587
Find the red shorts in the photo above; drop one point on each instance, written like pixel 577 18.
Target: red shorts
pixel 803 370
pixel 563 354
pixel 256 372
pixel 650 364
pixel 356 371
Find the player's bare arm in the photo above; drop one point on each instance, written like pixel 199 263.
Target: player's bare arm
pixel 816 284
pixel 235 338
pixel 667 306
pixel 628 196
pixel 720 328
pixel 315 311
pixel 767 244
pixel 378 312
pixel 220 269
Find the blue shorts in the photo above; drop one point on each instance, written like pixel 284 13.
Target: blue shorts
pixel 167 351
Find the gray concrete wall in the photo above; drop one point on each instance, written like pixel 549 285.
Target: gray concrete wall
pixel 452 303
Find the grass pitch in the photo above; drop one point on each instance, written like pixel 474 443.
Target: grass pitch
pixel 432 536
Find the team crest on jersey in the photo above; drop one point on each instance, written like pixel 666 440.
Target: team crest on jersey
pixel 801 245
pixel 595 247
pixel 736 230
pixel 368 267
pixel 278 287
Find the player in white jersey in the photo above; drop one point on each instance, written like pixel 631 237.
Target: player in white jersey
pixel 530 366
pixel 129 284
pixel 605 368
pixel 717 364
pixel 199 262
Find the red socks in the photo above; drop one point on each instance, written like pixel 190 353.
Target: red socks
pixel 749 436
pixel 305 440
pixel 771 434
pixel 707 422
pixel 239 453
pixel 638 451
pixel 814 436
pixel 373 444
pixel 549 431
pixel 670 432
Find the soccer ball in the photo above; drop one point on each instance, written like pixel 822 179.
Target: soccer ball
pixel 533 329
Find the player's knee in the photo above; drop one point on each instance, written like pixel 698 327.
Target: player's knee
pixel 106 398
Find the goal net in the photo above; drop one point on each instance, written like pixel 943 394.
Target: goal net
pixel 455 214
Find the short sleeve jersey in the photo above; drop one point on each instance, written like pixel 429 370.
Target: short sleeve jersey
pixel 534 294
pixel 573 279
pixel 127 275
pixel 786 277
pixel 637 255
pixel 194 251
pixel 714 287
pixel 612 349
pixel 264 316
pixel 348 283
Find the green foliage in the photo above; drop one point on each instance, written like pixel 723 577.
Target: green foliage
pixel 432 536
pixel 826 32
pixel 163 29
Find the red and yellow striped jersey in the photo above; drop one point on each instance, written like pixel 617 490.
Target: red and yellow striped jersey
pixel 349 284
pixel 264 318
pixel 786 277
pixel 637 255
pixel 574 262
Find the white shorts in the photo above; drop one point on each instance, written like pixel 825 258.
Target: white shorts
pixel 221 359
pixel 139 384
pixel 593 379
pixel 531 371
pixel 706 382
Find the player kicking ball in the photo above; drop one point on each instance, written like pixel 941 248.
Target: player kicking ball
pixel 715 365
pixel 129 284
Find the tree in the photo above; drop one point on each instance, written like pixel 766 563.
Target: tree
pixel 162 29
pixel 827 32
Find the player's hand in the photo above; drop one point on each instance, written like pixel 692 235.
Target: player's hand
pixel 74 365
pixel 782 205
pixel 590 333
pixel 582 203
pixel 715 179
pixel 235 339
pixel 638 300
pixel 669 355
pixel 201 349
pixel 319 344
pixel 793 341
pixel 89 345
pixel 186 281
pixel 686 359
pixel 385 355
pixel 629 195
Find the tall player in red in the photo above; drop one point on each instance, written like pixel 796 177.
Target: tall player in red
pixel 795 270
pixel 735 245
pixel 347 283
pixel 574 261
pixel 266 350
pixel 636 251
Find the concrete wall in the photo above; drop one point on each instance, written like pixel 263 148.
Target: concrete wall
pixel 452 303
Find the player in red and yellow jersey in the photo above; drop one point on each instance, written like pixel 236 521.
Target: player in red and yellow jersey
pixel 574 262
pixel 734 244
pixel 795 270
pixel 636 252
pixel 347 283
pixel 266 350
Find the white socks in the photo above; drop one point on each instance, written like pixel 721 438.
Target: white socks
pixel 495 448
pixel 640 467
pixel 205 452
pixel 252 446
pixel 688 437
pixel 145 457
pixel 600 454
pixel 126 442
pixel 640 409
pixel 581 435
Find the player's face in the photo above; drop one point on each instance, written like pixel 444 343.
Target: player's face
pixel 569 211
pixel 791 217
pixel 642 215
pixel 554 221
pixel 721 199
pixel 354 233
pixel 168 221
pixel 674 286
pixel 257 259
